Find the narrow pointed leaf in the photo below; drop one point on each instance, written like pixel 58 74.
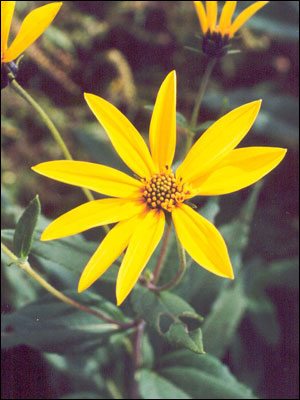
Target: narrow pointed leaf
pixel 25 228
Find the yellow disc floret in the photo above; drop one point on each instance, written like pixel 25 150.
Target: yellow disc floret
pixel 164 190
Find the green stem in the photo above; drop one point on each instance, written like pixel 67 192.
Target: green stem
pixel 56 135
pixel 179 275
pixel 198 101
pixel 137 357
pixel 25 266
pixel 159 264
pixel 113 389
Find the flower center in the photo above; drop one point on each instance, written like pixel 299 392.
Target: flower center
pixel 164 190
pixel 214 44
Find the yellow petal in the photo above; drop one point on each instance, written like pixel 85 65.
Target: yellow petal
pixel 212 14
pixel 239 169
pixel 202 241
pixel 225 19
pixel 36 22
pixel 163 124
pixel 219 139
pixel 112 246
pixel 149 230
pixel 92 214
pixel 201 15
pixel 7 11
pixel 245 15
pixel 125 138
pixel 99 178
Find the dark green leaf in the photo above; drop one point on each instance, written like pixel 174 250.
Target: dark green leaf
pixel 18 287
pixel 148 355
pixel 54 326
pixel 202 376
pixel 262 314
pixel 153 386
pixel 179 336
pixel 171 316
pixel 23 236
pixel 223 320
pixel 236 233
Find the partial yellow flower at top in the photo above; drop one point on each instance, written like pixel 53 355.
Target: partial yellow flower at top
pixel 139 205
pixel 217 34
pixel 35 23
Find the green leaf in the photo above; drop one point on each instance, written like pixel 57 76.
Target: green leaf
pixel 153 386
pixel 236 233
pixel 54 326
pixel 262 314
pixel 223 320
pixel 179 336
pixel 18 288
pixel 201 376
pixel 148 355
pixel 171 316
pixel 230 305
pixel 23 236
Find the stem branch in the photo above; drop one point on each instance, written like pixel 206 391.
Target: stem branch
pixel 25 266
pixel 173 282
pixel 161 256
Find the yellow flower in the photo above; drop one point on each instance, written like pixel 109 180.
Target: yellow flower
pixel 217 35
pixel 35 23
pixel 139 205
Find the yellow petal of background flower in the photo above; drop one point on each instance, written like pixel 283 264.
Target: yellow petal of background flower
pixel 245 15
pixel 226 15
pixel 149 230
pixel 201 15
pixel 7 11
pixel 163 124
pixel 212 14
pixel 202 241
pixel 125 138
pixel 100 178
pixel 239 169
pixel 91 214
pixel 111 247
pixel 35 23
pixel 219 139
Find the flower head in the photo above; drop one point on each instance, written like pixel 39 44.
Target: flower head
pixel 213 166
pixel 35 23
pixel 216 36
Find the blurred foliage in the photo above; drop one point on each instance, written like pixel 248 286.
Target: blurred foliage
pixel 122 51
